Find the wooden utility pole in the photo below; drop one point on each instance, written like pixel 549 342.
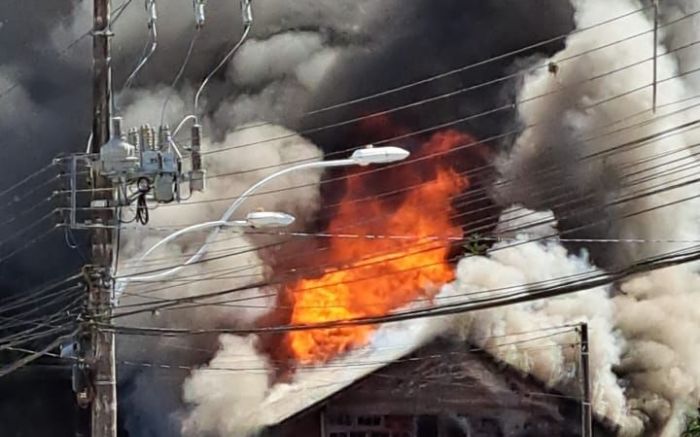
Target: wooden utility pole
pixel 102 353
pixel 587 412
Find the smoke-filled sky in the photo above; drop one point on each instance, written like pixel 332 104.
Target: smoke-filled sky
pixel 305 54
pixel 309 54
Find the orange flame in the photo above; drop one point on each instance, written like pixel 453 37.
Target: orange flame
pixel 380 274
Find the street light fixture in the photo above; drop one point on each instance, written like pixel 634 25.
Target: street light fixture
pixel 265 219
pixel 361 157
pixel 257 219
pixel 379 155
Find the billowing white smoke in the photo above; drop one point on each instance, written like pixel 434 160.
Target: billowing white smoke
pixel 282 71
pixel 244 401
pixel 270 79
pixel 655 315
pixel 623 343
pixel 228 391
pixel 274 75
pixel 235 263
pixel 519 265
pixel 576 117
pixel 659 315
pixel 682 33
pixel 645 340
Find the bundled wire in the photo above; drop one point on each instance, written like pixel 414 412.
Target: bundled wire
pixel 4 371
pixel 142 215
pixel 148 50
pixel 177 78
pixel 662 188
pixel 247 26
pixel 615 149
pixel 496 81
pixel 524 295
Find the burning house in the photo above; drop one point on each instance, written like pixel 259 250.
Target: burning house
pixel 576 144
pixel 444 389
pixel 550 141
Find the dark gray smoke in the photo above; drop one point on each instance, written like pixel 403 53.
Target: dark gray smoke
pixel 43 111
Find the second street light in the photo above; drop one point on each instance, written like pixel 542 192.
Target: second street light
pixel 361 157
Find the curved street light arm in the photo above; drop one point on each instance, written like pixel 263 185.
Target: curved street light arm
pixel 222 222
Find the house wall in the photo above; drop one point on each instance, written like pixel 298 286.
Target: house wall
pixel 305 425
pixel 446 392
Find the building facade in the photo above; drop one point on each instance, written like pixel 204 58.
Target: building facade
pixel 442 390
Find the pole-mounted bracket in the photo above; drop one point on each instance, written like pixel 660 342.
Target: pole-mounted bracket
pixel 97 276
pixel 106 32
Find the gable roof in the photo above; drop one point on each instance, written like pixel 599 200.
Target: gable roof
pixel 313 385
pixel 427 381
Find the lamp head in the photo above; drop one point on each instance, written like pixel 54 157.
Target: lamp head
pixel 269 219
pixel 379 155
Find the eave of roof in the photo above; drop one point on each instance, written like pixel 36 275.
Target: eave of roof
pixel 401 339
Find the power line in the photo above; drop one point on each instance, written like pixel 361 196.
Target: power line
pixel 326 181
pixel 29 193
pixel 148 50
pixel 442 310
pixel 471 172
pixel 26 179
pixel 461 147
pixel 28 244
pixel 4 371
pixel 8 304
pixel 26 211
pixel 254 275
pixel 27 228
pixel 41 304
pixel 345 364
pixel 393 251
pixel 633 143
pixel 505 107
pixel 178 76
pixel 561 329
pixel 51 321
pixel 503 56
pixel 62 52
pixel 175 302
pixel 234 303
pixel 36 334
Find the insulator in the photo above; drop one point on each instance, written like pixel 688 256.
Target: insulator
pixel 148 137
pixel 117 128
pixel 134 138
pixel 199 17
pixel 117 156
pixel 247 12
pixel 196 147
pixel 164 137
pixel 152 10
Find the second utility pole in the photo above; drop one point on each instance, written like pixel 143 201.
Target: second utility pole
pixel 102 353
pixel 587 412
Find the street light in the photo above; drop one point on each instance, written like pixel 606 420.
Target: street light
pixel 379 155
pixel 361 157
pixel 257 219
pixel 264 219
